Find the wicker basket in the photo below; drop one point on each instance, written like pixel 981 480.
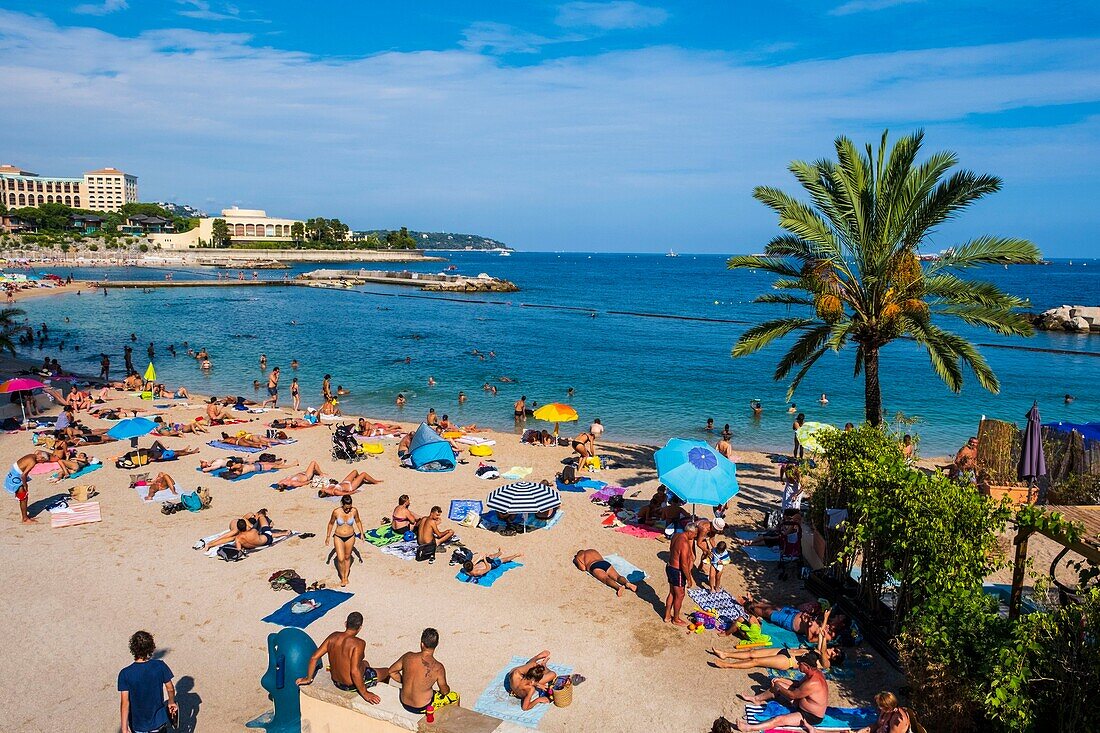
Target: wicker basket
pixel 563 698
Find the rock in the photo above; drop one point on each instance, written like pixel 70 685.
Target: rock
pixel 1073 318
pixel 1092 315
pixel 1080 324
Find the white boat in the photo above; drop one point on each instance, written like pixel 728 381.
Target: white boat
pixel 505 253
pixel 672 253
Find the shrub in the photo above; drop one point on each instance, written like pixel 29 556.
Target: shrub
pixel 144 247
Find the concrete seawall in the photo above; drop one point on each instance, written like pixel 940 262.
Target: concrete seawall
pixel 218 256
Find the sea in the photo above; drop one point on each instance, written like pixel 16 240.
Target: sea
pixel 640 341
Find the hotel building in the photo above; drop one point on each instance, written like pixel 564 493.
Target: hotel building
pixel 246 226
pixel 106 189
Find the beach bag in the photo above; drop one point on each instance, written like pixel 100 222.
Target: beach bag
pixel 441 701
pixel 569 475
pixel 472 519
pixel 230 553
pixel 191 502
pixel 204 496
pixel 563 698
pixel 461 555
pixel 425 552
pixel 83 492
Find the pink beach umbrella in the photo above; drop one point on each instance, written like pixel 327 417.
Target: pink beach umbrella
pixel 21 384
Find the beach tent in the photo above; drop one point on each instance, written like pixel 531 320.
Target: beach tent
pixel 429 452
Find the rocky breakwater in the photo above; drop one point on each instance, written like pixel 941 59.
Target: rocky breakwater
pixel 1072 318
pixel 481 284
pixel 441 282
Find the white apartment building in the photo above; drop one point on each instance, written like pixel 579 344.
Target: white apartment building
pixel 106 189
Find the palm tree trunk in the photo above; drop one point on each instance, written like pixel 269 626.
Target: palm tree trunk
pixel 872 392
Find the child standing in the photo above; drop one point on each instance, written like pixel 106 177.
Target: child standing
pixel 719 558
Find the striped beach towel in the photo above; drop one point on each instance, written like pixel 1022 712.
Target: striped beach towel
pixel 79 513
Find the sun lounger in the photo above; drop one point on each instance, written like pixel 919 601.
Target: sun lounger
pixel 839 719
pixel 499 703
pixel 487 580
pixel 327 599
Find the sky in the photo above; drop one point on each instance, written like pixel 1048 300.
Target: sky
pixel 577 125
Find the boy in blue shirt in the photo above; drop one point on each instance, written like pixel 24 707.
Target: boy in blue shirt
pixel 142 686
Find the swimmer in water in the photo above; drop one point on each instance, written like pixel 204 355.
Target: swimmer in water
pixel 340 391
pixel 710 425
pixel 1069 399
pixel 400 401
pixel 293 363
pixel 824 400
pixel 792 409
pixel 570 392
pixel 506 380
pixel 757 408
pixel 431 381
pixel 461 398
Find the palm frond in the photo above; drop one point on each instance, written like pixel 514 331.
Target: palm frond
pixel 801 350
pixel 777 265
pixel 948 199
pixel 763 334
pixel 798 218
pixel 1006 322
pixel 949 288
pixel 991 250
pixel 783 299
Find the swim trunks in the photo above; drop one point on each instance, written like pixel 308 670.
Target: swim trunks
pixel 811 718
pixel 675 576
pixel 416 710
pixel 272 391
pixel 14 483
pixel 494 562
pixel 784 617
pixel 603 565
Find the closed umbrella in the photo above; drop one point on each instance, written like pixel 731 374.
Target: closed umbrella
pixel 132 428
pixel 523 497
pixel 696 473
pixel 21 384
pixel 555 412
pixel 150 373
pixel 809 434
pixel 1033 460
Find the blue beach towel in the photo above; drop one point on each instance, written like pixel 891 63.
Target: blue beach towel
pixel 833 673
pixel 835 718
pixel 461 507
pixel 499 703
pixel 582 485
pixel 220 473
pixel 487 580
pixel 491 522
pixel 235 448
pixel 623 567
pixel 86 470
pixel 758 553
pixel 328 598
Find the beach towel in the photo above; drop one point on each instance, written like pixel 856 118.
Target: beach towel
pixel 575 488
pixel 403 550
pixel 758 553
pixel 161 496
pixel 640 530
pixel 234 448
pixel 474 440
pixel 625 568
pixel 497 702
pixel 604 494
pixel 326 597
pixel 382 536
pixel 835 718
pixel 833 673
pixel 490 577
pixel 86 470
pixel 461 507
pixel 78 513
pixel 720 601
pixel 213 551
pixel 220 473
pixel 41 468
pixel 517 472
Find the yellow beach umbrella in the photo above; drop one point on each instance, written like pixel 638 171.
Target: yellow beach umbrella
pixel 150 377
pixel 555 412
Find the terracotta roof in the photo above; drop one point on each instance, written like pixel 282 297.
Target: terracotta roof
pixel 105 171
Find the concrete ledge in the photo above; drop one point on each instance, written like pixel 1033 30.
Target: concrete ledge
pixel 326 709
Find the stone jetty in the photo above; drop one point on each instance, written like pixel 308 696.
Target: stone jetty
pixel 1073 318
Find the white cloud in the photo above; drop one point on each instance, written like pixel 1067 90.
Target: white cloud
pixel 104 8
pixel 202 10
pixel 502 38
pixel 616 15
pixel 628 149
pixel 865 6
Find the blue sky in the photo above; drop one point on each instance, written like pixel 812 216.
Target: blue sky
pixel 632 126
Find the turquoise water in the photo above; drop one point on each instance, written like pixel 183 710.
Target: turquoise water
pixel 646 378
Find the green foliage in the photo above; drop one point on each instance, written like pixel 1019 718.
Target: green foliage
pixel 326 232
pixel 219 233
pixel 400 239
pixel 93 247
pixel 9 327
pixel 143 247
pixel 1075 490
pixel 850 254
pixel 1048 676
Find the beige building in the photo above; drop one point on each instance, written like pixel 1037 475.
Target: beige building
pixel 246 226
pixel 106 189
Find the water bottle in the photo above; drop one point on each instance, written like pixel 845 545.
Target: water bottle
pixel 429 714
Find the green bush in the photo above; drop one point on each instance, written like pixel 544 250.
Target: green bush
pixel 1074 490
pixel 93 247
pixel 143 247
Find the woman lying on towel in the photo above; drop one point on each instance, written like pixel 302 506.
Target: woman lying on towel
pixel 246 439
pixel 292 423
pixel 531 682
pixel 176 429
pixel 161 392
pixel 237 469
pixel 69 466
pixel 349 485
pixel 312 475
pixel 377 429
pixel 821 658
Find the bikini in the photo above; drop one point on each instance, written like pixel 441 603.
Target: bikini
pixel 342 522
pixel 394 519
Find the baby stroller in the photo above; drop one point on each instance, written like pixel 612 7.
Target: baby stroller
pixel 344 445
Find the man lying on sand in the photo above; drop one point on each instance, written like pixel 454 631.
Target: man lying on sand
pixel 349 669
pixel 236 528
pixel 593 563
pixel 808 697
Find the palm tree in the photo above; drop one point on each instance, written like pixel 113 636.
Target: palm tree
pixel 8 328
pixel 851 255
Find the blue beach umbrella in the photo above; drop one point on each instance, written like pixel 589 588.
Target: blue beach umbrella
pixel 132 428
pixel 693 471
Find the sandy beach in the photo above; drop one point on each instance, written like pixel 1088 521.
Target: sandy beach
pixel 85 589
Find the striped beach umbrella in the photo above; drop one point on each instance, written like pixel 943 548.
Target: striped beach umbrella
pixel 523 497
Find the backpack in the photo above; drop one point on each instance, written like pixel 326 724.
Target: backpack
pixel 191 502
pixel 230 553
pixel 568 475
pixel 425 552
